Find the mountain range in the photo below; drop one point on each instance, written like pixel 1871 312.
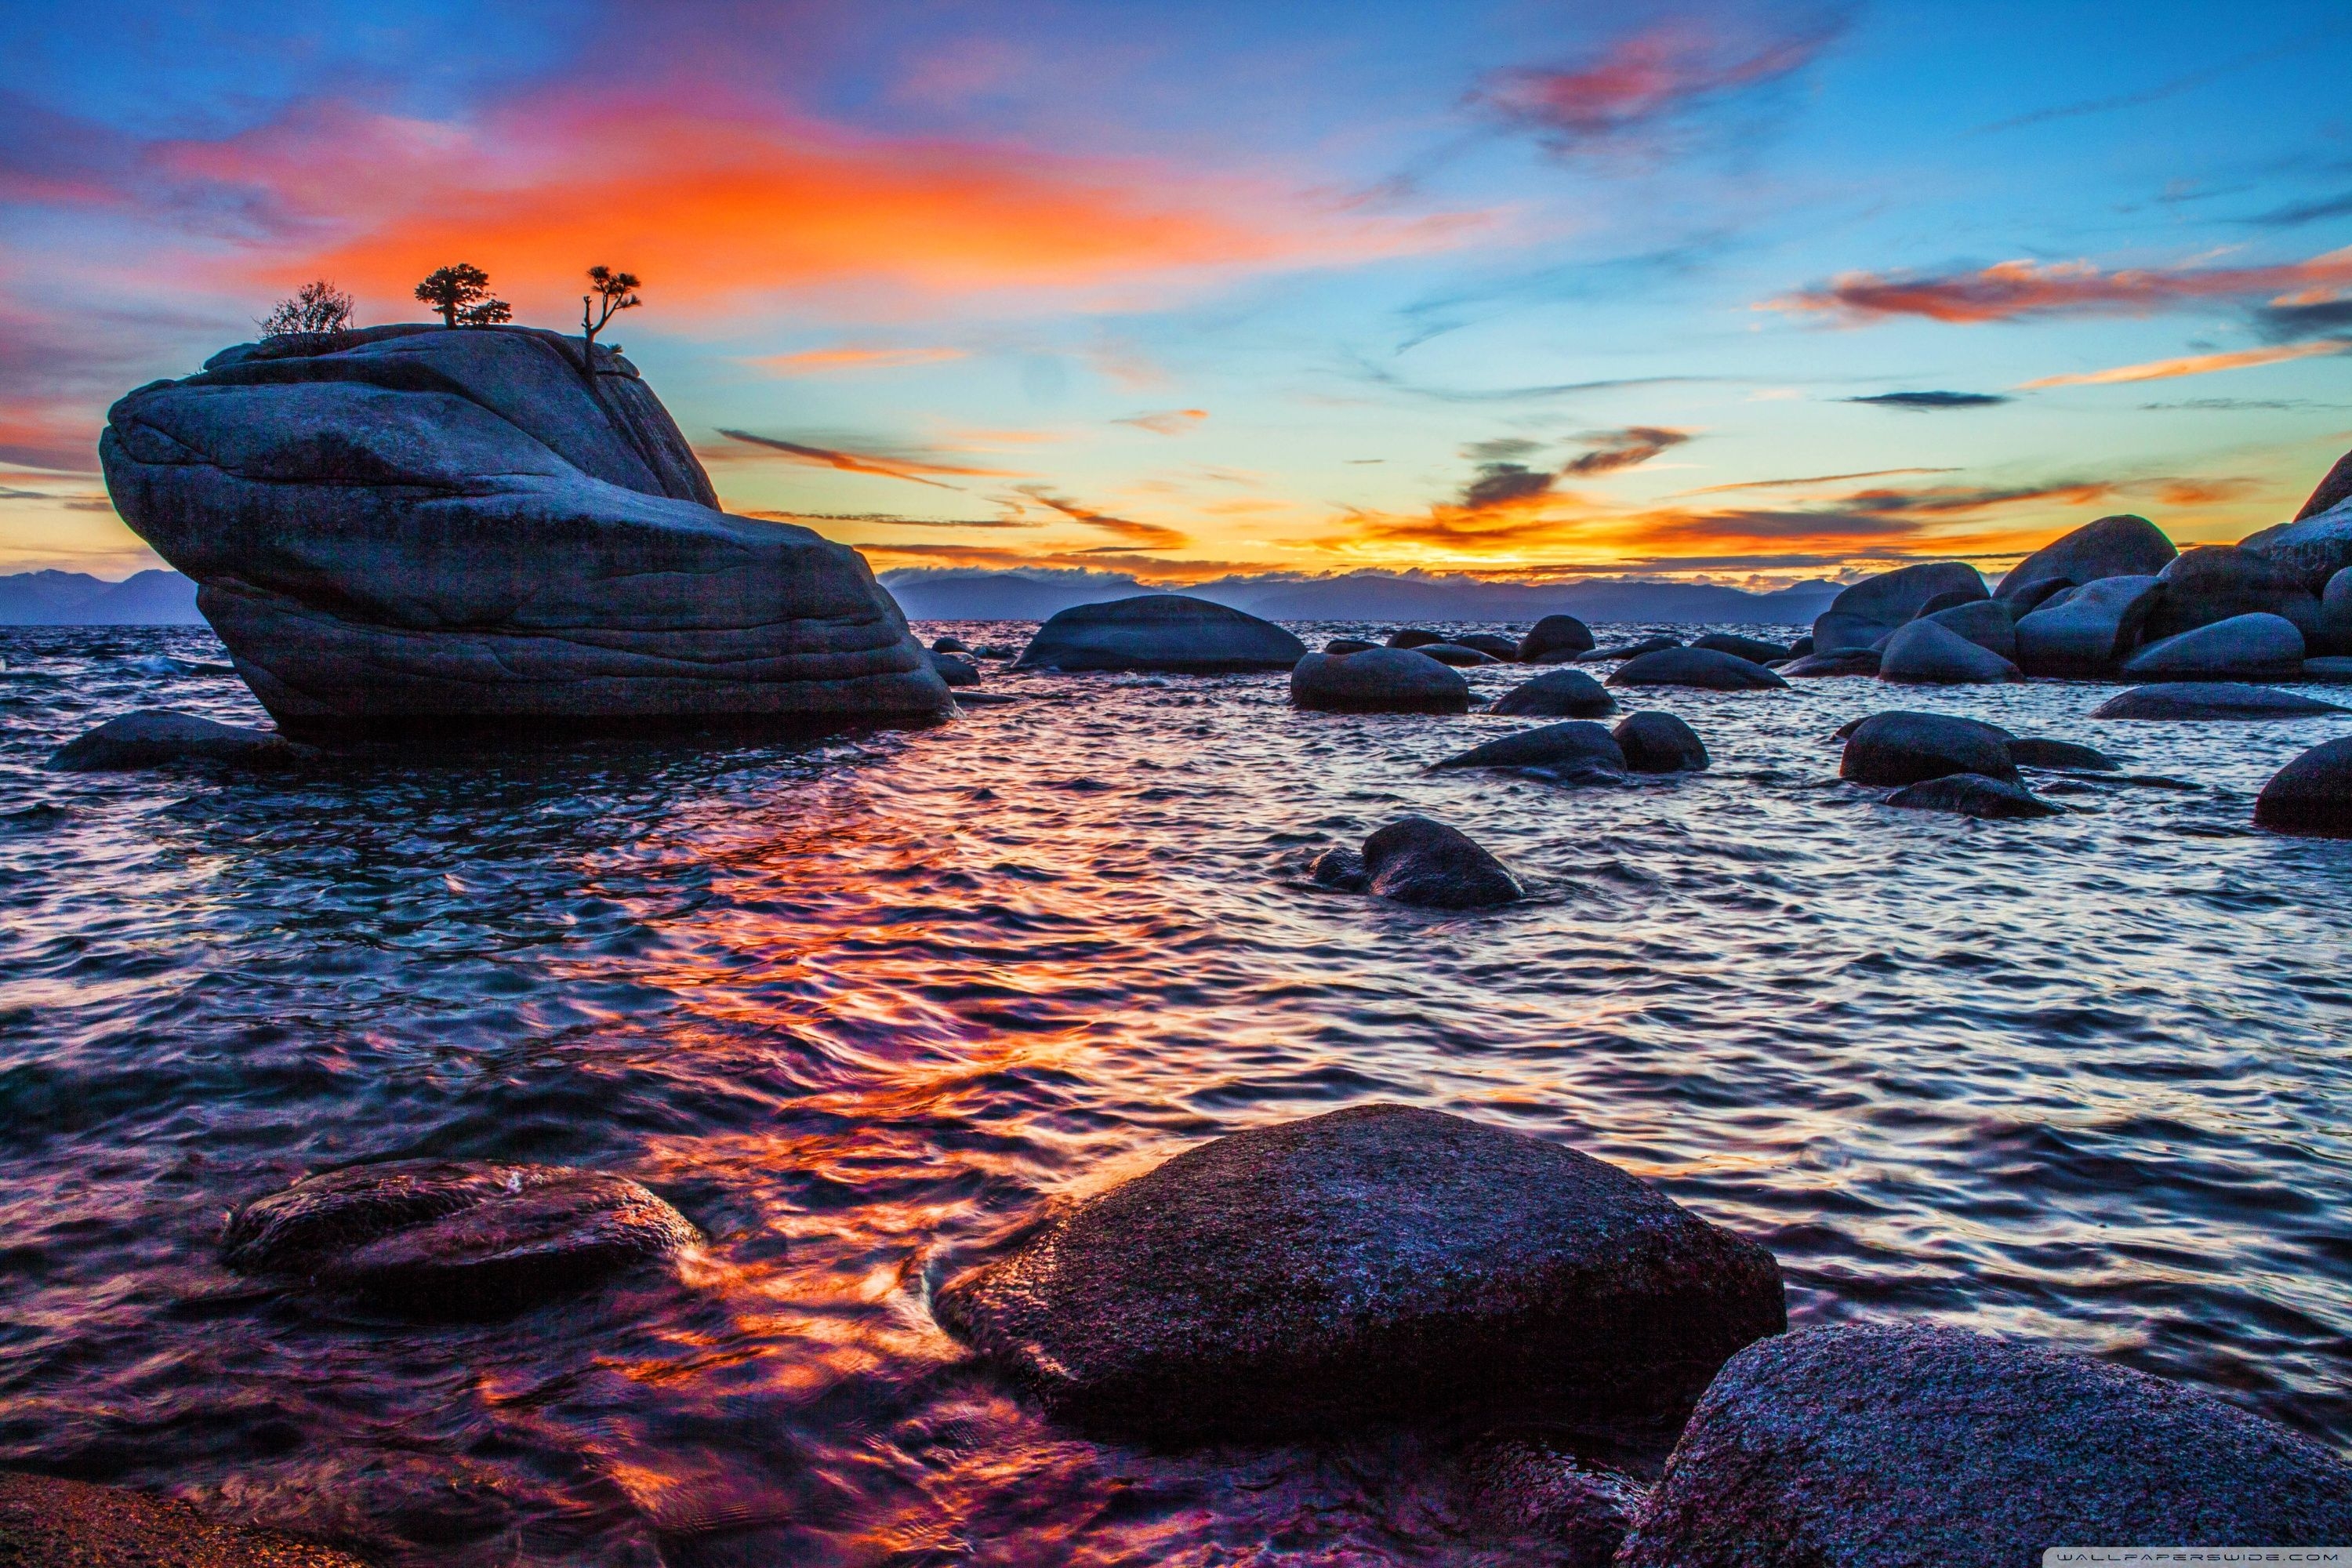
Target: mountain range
pixel 156 598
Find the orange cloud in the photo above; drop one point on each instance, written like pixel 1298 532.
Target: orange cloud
pixel 889 468
pixel 853 359
pixel 1145 535
pixel 2193 364
pixel 1171 422
pixel 2010 289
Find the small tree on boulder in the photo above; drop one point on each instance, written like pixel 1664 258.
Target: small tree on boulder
pixel 316 306
pixel 609 293
pixel 462 294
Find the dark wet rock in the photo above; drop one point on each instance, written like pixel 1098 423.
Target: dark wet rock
pixel 1501 649
pixel 1923 1446
pixel 1378 1261
pixel 1868 610
pixel 1950 599
pixel 1532 1485
pixel 2118 546
pixel 1416 637
pixel 2312 548
pixel 48 1523
pixel 972 696
pixel 2089 631
pixel 1658 643
pixel 155 737
pixel 1971 795
pixel 1802 648
pixel 2335 671
pixel 1696 667
pixel 1349 645
pixel 1905 748
pixel 955 672
pixel 2332 491
pixel 1576 748
pixel 1984 622
pixel 450 1237
pixel 2252 646
pixel 2334 630
pixel 1846 661
pixel 410 528
pixel 1454 653
pixel 2310 796
pixel 1343 869
pixel 1416 861
pixel 1557 694
pixel 2210 700
pixel 1657 742
pixel 1166 632
pixel 1555 638
pixel 995 650
pixel 950 645
pixel 1378 680
pixel 2028 751
pixel 2214 582
pixel 1924 653
pixel 1755 650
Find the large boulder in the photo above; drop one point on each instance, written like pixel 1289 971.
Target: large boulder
pixel 2313 548
pixel 1168 632
pixel 1971 795
pixel 1696 667
pixel 1988 623
pixel 1869 609
pixel 48 1522
pixel 1923 1446
pixel 2091 633
pixel 1375 1262
pixel 2312 794
pixel 1656 742
pixel 2250 646
pixel 1577 750
pixel 1378 680
pixel 2220 582
pixel 1556 694
pixel 450 1237
pixel 2210 700
pixel 1925 653
pixel 1905 748
pixel 2118 546
pixel 1755 650
pixel 1555 638
pixel 158 737
pixel 412 528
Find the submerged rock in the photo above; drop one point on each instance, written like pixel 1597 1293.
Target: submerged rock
pixel 2029 752
pixel 156 737
pixel 1556 693
pixel 2254 646
pixel 1164 632
pixel 950 645
pixel 1374 1262
pixel 1529 1485
pixel 1925 653
pixel 1920 1447
pixel 2332 671
pixel 2210 700
pixel 1577 748
pixel 1658 643
pixel 955 672
pixel 1971 795
pixel 1657 742
pixel 1904 748
pixel 412 528
pixel 1378 680
pixel 48 1523
pixel 1696 667
pixel 450 1237
pixel 1416 861
pixel 1454 653
pixel 2118 546
pixel 2091 633
pixel 1555 638
pixel 2310 796
pixel 1755 650
pixel 1341 867
pixel 1846 661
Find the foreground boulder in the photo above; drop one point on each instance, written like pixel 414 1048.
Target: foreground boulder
pixel 2220 582
pixel 2089 635
pixel 1164 632
pixel 2210 700
pixel 2313 548
pixel 1696 667
pixel 1972 794
pixel 1555 638
pixel 1903 748
pixel 2118 546
pixel 156 737
pixel 2312 794
pixel 1919 1446
pixel 1375 1262
pixel 1925 653
pixel 1657 742
pixel 46 1522
pixel 1378 680
pixel 413 528
pixel 1578 751
pixel 1557 694
pixel 1755 650
pixel 1867 611
pixel 452 1237
pixel 2252 646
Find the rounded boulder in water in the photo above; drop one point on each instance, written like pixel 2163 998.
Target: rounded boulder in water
pixel 1165 632
pixel 1416 637
pixel 1454 653
pixel 1576 749
pixel 456 1239
pixel 156 737
pixel 1555 638
pixel 1702 667
pixel 2090 633
pixel 1903 748
pixel 2312 795
pixel 1557 694
pixel 1972 794
pixel 2254 646
pixel 1415 860
pixel 1865 1445
pixel 1657 742
pixel 1501 649
pixel 954 670
pixel 950 645
pixel 1378 680
pixel 1376 1263
pixel 2210 700
pixel 1925 653
pixel 1755 650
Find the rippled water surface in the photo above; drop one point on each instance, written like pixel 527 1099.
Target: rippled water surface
pixel 861 1008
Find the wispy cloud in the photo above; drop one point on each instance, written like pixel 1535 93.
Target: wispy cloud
pixel 2010 291
pixel 809 361
pixel 2194 364
pixel 1931 402
pixel 911 469
pixel 2295 215
pixel 1168 422
pixel 1144 535
pixel 1630 447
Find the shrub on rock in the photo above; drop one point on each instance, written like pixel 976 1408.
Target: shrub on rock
pixel 1869 1447
pixel 2312 795
pixel 2251 647
pixel 1378 680
pixel 1555 638
pixel 1696 667
pixel 1371 1263
pixel 1556 693
pixel 1657 742
pixel 1166 632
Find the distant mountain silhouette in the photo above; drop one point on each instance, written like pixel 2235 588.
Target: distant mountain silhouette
pixel 155 598
pixel 932 594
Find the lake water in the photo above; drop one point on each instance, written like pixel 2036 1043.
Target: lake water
pixel 864 1008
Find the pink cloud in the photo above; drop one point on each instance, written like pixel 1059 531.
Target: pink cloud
pixel 2008 290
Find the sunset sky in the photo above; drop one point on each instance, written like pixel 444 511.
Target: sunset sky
pixel 1751 292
